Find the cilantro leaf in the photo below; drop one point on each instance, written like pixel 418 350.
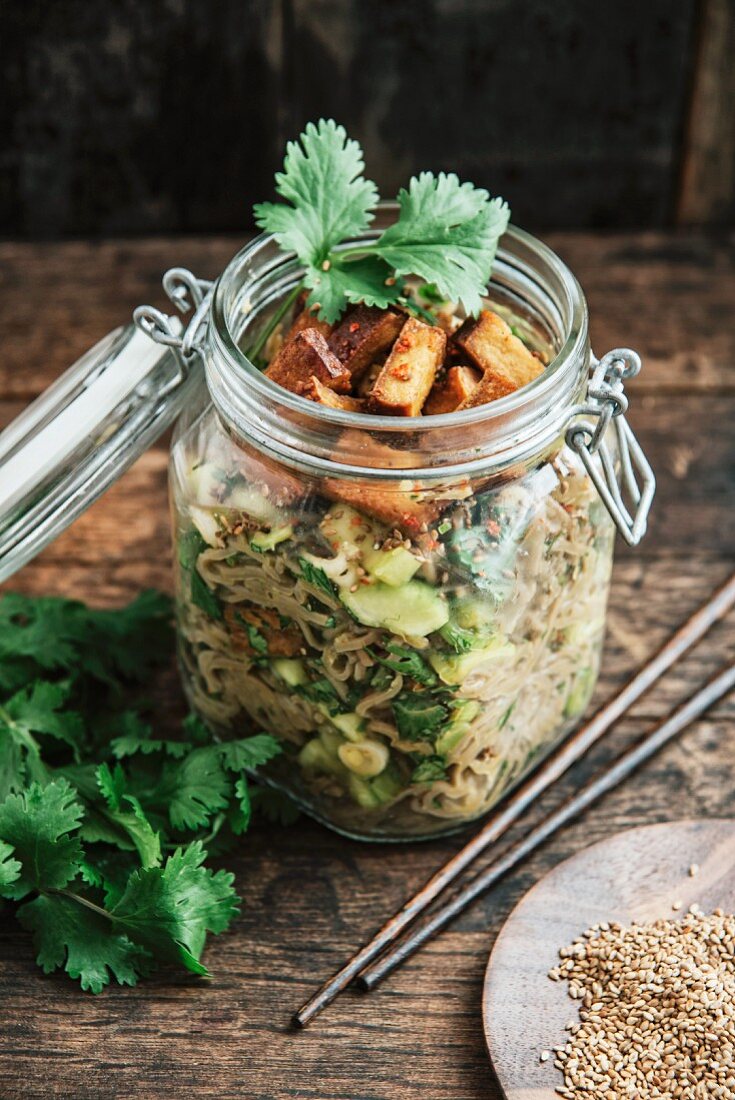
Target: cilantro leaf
pixel 170 909
pixel 9 868
pixel 204 598
pixel 38 823
pixel 347 280
pixel 322 179
pixel 136 737
pixel 194 788
pixel 447 233
pixel 39 709
pixel 250 752
pixel 419 715
pixel 315 575
pixel 321 691
pixel 83 942
pixel 133 821
pixel 49 634
pixel 240 818
pixel 409 663
pixel 430 769
pixel 460 639
pixel 275 806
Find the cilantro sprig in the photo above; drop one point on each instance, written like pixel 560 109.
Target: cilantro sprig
pixel 105 829
pixel 446 232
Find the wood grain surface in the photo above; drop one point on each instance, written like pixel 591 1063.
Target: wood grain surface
pixel 637 875
pixel 309 898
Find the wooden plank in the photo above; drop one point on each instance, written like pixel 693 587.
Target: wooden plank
pixel 669 296
pixel 707 186
pixel 310 897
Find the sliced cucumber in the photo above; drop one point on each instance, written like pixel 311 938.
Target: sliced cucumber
pixel 315 756
pixel 371 793
pixel 414 609
pixel 456 667
pixel 388 784
pixel 290 669
pixel 362 792
pixel 464 713
pixel 474 613
pixel 351 725
pixel 394 567
pixel 247 499
pixel 579 696
pixel 345 527
pixel 269 540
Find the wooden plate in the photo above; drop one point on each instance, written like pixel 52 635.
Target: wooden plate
pixel 635 875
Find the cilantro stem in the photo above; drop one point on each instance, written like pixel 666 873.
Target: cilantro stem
pixel 83 901
pixel 425 313
pixel 275 319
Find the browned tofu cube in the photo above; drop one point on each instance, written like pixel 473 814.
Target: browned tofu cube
pixel 363 333
pixel 409 371
pixel 505 361
pixel 454 388
pixel 306 319
pixel 317 391
pixel 304 357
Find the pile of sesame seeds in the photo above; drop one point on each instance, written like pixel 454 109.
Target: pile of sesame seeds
pixel 656 1010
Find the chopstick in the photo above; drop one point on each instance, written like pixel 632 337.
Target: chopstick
pixel 605 781
pixel 555 765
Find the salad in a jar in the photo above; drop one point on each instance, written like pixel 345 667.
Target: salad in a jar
pixel 415 648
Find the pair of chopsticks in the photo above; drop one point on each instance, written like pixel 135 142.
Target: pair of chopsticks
pixel 386 950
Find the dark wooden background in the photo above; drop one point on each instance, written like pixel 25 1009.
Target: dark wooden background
pixel 310 897
pixel 148 116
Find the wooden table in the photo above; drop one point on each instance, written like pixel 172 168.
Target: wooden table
pixel 310 897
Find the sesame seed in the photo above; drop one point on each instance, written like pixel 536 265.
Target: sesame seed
pixel 656 1005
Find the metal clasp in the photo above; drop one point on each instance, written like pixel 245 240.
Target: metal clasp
pixel 607 403
pixel 187 292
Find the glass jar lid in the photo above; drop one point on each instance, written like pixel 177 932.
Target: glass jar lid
pixel 78 437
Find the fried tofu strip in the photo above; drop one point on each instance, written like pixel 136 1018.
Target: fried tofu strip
pixel 454 388
pixel 363 333
pixel 409 371
pixel 317 391
pixel 506 362
pixel 396 506
pixel 304 357
pixel 281 641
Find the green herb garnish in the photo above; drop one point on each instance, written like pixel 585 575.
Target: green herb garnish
pixel 409 663
pixel 430 769
pixel 446 232
pixel 314 574
pixel 419 715
pixel 104 828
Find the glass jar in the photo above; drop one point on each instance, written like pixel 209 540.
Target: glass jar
pixel 413 607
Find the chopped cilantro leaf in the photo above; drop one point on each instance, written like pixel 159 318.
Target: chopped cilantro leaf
pixel 316 576
pixel 430 769
pixel 409 663
pixel 419 715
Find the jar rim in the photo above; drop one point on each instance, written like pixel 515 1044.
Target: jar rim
pixel 240 390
